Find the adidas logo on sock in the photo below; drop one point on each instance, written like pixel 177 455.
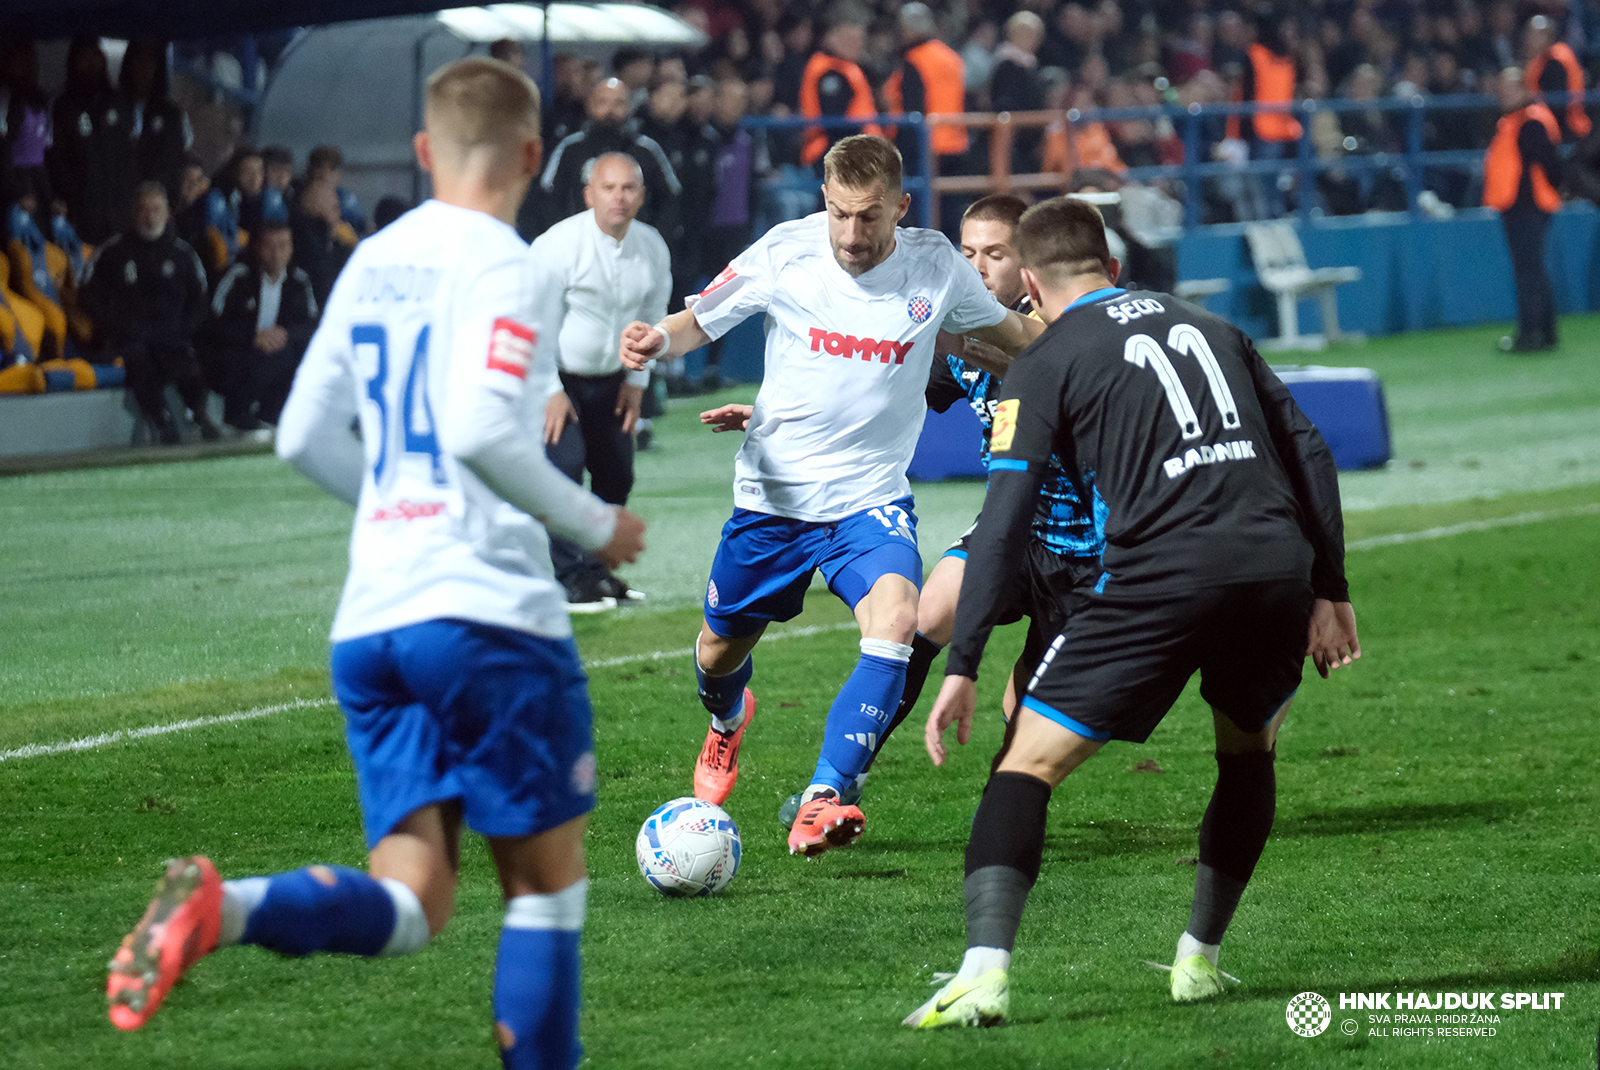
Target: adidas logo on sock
pixel 868 740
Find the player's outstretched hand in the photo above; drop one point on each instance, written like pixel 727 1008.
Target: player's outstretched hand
pixel 627 541
pixel 1331 641
pixel 639 344
pixel 957 700
pixel 728 417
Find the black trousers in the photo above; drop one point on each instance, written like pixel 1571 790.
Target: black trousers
pixel 597 443
pixel 151 364
pixel 1526 228
pixel 248 377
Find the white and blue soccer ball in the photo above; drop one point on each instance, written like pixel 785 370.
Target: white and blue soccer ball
pixel 688 847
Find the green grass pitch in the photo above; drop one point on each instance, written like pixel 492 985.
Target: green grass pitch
pixel 1436 825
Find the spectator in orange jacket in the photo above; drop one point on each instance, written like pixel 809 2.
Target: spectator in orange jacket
pixel 930 79
pixel 1553 68
pixel 1519 181
pixel 833 83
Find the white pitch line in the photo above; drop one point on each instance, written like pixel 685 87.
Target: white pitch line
pixel 105 739
pixel 1474 525
pixel 40 750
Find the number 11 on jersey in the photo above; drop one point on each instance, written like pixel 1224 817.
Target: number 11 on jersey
pixel 1143 351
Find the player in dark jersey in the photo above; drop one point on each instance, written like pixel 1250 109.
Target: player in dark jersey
pixel 1068 535
pixel 1224 554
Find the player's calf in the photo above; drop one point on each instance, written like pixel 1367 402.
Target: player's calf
pixel 1233 834
pixel 860 714
pixel 324 908
pixel 536 980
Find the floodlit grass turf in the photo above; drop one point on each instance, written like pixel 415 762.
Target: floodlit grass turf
pixel 1435 822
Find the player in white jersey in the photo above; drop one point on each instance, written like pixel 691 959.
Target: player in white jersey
pixel 453 657
pixel 854 304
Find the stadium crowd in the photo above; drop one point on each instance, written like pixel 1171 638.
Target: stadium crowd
pixel 850 58
pixel 126 261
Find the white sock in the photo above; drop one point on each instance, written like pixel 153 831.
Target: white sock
pixel 886 648
pixel 563 910
pixel 1188 945
pixel 410 923
pixel 239 898
pixel 980 960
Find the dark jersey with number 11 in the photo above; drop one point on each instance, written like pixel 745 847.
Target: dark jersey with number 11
pixel 1211 473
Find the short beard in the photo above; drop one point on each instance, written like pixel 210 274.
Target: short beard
pixel 857 268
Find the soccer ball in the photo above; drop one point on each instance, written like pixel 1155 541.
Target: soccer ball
pixel 688 847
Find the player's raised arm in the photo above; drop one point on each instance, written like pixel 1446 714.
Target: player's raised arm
pixel 314 430
pixel 674 336
pixel 740 290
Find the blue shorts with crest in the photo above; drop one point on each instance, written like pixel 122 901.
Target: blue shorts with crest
pixel 764 563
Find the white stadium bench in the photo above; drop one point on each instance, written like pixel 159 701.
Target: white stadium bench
pixel 1280 262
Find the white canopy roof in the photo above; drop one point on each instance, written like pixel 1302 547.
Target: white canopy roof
pixel 572 23
pixel 359 85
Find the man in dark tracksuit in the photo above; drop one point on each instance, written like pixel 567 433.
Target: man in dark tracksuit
pixel 263 316
pixel 607 130
pixel 146 293
pixel 1520 175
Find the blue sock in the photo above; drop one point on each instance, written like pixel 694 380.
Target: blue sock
pixel 322 908
pixel 861 712
pixel 721 695
pixel 536 981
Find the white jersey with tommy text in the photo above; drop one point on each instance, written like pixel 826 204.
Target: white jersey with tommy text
pixel 435 337
pixel 847 357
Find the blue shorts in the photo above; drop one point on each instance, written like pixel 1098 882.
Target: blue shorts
pixel 765 563
pixel 456 710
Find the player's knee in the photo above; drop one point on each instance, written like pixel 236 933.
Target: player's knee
pixel 720 655
pixel 903 626
pixel 890 612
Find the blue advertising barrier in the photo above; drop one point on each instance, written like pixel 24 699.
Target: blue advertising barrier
pixel 1416 273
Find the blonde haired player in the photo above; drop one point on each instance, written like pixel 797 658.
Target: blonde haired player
pixel 452 652
pixel 854 305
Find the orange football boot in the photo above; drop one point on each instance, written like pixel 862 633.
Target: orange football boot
pixel 716 771
pixel 823 823
pixel 178 929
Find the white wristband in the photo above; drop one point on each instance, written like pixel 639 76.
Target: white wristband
pixel 666 340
